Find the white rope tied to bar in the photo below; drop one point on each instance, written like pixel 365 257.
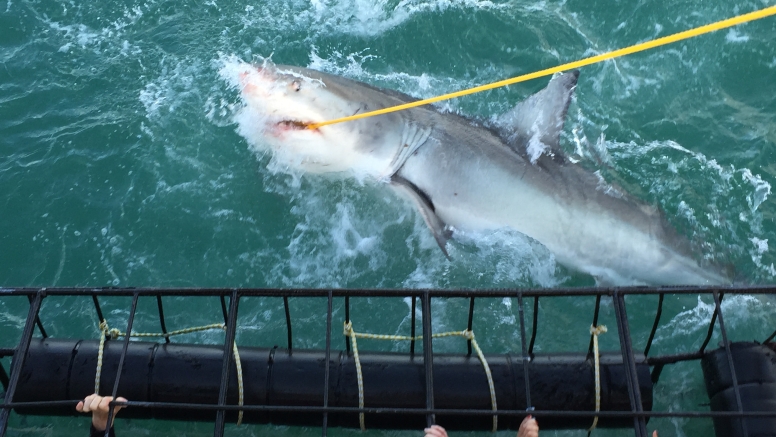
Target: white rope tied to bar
pixel 348 331
pixel 106 332
pixel 467 334
pixel 595 331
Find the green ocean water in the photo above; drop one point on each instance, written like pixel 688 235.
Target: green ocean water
pixel 121 165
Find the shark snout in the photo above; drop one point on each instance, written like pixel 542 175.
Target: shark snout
pixel 256 81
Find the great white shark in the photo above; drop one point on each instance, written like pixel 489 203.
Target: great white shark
pixel 465 175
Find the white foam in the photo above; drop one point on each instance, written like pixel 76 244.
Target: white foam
pixel 687 327
pixel 170 89
pixel 760 248
pixel 351 66
pixel 734 36
pixel 535 147
pixel 78 33
pixel 761 189
pixel 366 17
pixel 104 40
pixel 333 244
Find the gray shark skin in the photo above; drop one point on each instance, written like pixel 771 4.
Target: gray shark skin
pixel 467 176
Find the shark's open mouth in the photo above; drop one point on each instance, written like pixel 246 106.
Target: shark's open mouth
pixel 289 125
pixel 293 124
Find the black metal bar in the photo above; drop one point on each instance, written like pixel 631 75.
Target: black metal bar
pixel 534 326
pixel 278 292
pixel 288 323
pixel 770 338
pixel 654 325
pixel 626 348
pixel 670 359
pixel 655 375
pixel 3 377
pixel 428 357
pixel 412 325
pixel 525 356
pixel 631 392
pixel 97 308
pixel 595 323
pixel 736 389
pixel 469 324
pixel 328 364
pixel 131 320
pixel 37 321
pixel 161 317
pixel 347 320
pixel 223 308
pixel 20 355
pixel 711 330
pixel 231 327
pixel 418 411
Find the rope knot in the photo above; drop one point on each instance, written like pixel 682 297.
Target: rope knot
pixel 468 334
pixel 597 330
pixel 347 329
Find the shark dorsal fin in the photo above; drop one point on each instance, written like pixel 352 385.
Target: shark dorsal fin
pixel 533 127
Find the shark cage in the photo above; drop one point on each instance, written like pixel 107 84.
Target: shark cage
pixel 405 388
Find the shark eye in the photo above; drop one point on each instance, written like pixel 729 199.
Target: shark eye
pixel 296 85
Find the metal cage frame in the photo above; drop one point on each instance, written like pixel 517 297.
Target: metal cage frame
pixel 230 309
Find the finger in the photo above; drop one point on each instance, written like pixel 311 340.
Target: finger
pixel 87 402
pixel 94 405
pixel 436 431
pixel 80 407
pixel 118 407
pixel 104 403
pixel 528 427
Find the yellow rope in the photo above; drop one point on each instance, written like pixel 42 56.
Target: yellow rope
pixel 106 332
pixel 730 22
pixel 467 334
pixel 595 331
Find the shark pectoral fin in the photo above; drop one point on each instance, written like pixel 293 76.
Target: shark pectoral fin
pixel 426 208
pixel 412 138
pixel 533 127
